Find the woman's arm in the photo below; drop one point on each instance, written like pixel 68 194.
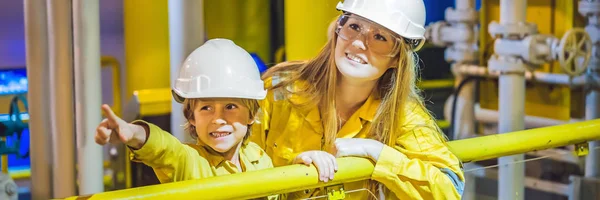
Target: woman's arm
pixel 420 165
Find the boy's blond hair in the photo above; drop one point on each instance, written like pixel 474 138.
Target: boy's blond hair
pixel 188 113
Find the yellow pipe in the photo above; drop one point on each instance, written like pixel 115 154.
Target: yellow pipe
pixel 298 177
pixel 436 84
pixel 146 45
pixel 498 145
pixel 20 174
pixel 114 65
pixel 443 123
pixel 306 23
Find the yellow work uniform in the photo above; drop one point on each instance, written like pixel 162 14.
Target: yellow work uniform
pixel 419 166
pixel 173 161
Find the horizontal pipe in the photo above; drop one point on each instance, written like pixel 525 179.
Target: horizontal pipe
pixel 491 116
pixel 542 77
pixel 473 70
pixel 299 177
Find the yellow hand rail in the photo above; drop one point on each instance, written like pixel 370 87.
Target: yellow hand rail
pixel 298 177
pixel 114 65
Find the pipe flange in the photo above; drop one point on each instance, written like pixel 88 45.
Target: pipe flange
pixel 434 35
pixel 589 7
pixel 453 54
pixel 519 30
pixel 464 16
pixel 507 64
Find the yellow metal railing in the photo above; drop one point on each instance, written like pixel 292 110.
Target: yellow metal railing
pixel 298 177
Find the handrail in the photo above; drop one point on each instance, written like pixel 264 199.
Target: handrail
pixel 298 177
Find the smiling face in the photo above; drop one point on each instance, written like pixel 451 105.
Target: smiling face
pixel 364 50
pixel 221 123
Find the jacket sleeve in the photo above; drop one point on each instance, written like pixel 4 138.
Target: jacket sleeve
pixel 171 160
pixel 420 165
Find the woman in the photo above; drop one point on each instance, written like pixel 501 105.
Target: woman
pixel 358 97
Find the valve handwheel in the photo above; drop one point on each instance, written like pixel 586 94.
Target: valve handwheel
pixel 574 51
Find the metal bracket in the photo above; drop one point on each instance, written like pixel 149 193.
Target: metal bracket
pixel 336 192
pixel 582 149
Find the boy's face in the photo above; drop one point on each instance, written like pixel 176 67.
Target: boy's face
pixel 221 123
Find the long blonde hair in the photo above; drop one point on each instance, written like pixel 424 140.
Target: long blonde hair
pixel 395 88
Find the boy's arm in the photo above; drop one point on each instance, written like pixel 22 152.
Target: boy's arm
pixel 170 159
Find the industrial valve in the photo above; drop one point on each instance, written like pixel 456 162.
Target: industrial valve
pixel 572 51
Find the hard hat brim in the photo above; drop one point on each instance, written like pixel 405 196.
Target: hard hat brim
pixel 180 96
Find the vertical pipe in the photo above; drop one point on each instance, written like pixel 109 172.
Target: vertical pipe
pixel 146 33
pixel 512 118
pixel 592 100
pixel 86 34
pixel 512 111
pixel 592 111
pixel 512 11
pixel 61 98
pixel 36 42
pixel 186 33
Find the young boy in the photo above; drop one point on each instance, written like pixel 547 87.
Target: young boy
pixel 219 85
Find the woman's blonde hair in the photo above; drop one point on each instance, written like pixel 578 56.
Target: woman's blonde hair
pixel 395 88
pixel 188 112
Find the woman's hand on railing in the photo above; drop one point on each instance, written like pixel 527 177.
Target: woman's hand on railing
pixel 358 147
pixel 325 163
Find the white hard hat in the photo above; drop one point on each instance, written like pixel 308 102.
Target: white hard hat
pixel 404 17
pixel 219 69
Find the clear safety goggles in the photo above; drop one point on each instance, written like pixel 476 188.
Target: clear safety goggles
pixel 376 38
